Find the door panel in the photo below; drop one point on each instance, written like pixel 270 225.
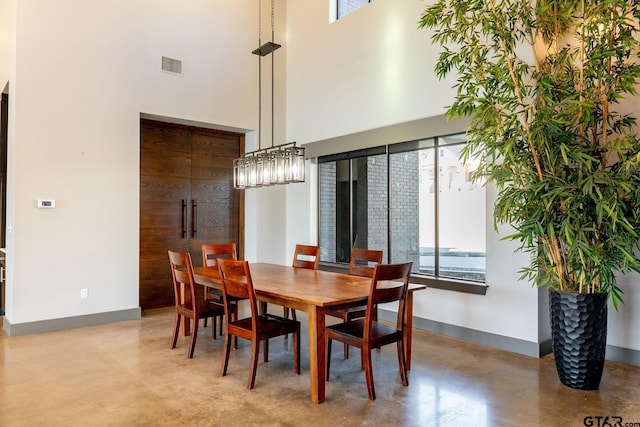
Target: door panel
pixel 212 187
pixel 165 182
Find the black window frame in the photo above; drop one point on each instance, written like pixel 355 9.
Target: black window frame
pixel 431 281
pixel 338 15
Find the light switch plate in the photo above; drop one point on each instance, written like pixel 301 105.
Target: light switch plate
pixel 46 204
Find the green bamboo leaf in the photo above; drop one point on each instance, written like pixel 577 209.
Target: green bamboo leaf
pixel 566 164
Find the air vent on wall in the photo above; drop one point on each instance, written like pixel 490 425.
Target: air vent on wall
pixel 173 66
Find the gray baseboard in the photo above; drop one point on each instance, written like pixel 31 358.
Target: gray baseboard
pixel 527 348
pixel 623 355
pixel 70 322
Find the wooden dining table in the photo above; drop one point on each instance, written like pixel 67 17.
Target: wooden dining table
pixel 315 292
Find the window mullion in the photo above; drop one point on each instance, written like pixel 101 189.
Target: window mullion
pixel 436 201
pixel 389 210
pixel 351 207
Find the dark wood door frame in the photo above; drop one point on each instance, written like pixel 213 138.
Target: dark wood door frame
pixel 184 169
pixel 4 126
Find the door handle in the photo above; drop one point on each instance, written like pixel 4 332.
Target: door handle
pixel 184 218
pixel 194 218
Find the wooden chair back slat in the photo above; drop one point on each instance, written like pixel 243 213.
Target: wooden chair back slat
pixel 306 256
pixel 211 252
pixel 363 261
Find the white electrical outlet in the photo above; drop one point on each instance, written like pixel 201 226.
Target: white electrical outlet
pixel 84 293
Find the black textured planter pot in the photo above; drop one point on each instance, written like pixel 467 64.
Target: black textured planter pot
pixel 579 331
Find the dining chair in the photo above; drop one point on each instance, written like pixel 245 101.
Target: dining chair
pixel 362 263
pixel 304 256
pixel 236 283
pixel 189 304
pixel 367 333
pixel 211 252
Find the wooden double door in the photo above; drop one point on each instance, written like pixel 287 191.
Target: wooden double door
pixel 186 199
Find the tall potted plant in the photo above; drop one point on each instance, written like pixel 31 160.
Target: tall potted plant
pixel 541 82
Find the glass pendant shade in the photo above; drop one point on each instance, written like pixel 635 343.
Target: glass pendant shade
pixel 296 165
pixel 280 165
pixel 287 165
pixel 263 169
pixel 239 180
pixel 253 171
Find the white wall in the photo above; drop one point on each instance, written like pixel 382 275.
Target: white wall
pixel 85 72
pixel 622 327
pixel 7 39
pixel 371 69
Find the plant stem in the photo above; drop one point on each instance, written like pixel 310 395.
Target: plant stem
pixel 516 85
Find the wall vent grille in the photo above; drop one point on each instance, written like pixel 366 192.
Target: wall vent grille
pixel 173 66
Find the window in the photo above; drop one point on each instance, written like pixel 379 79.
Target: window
pixel 345 7
pixel 353 204
pixel 413 200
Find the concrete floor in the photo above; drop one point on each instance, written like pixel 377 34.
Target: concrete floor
pixel 125 374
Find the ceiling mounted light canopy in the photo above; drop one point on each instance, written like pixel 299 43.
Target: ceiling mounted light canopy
pixel 277 164
pixel 266 49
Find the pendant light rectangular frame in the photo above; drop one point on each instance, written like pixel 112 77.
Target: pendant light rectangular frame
pixel 280 164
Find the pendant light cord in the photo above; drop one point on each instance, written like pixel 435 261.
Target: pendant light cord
pixel 272 71
pixel 260 76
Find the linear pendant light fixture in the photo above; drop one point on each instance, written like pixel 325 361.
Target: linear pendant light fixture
pixel 278 164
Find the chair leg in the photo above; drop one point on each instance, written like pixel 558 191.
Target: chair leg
pixel 265 345
pixel 329 341
pixel 220 325
pixel 346 347
pixel 403 364
pixel 368 370
pixel 213 326
pixel 225 356
pixel 296 351
pixel 255 350
pixel 186 331
pixel 176 331
pixel 285 314
pixel 234 317
pixel 194 335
